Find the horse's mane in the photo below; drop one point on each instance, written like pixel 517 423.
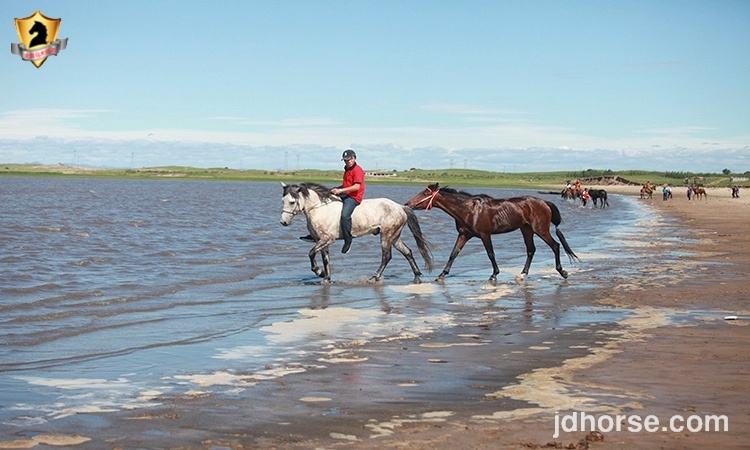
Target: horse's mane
pixel 323 192
pixel 449 190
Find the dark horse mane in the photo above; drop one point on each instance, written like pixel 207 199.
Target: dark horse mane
pixel 304 188
pixel 475 197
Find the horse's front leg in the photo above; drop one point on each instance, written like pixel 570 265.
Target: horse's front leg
pixel 325 255
pixel 460 242
pixel 321 247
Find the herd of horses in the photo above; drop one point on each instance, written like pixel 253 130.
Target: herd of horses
pixel 598 196
pixel 697 192
pixel 478 216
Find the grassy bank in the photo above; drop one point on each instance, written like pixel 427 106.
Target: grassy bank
pixel 454 177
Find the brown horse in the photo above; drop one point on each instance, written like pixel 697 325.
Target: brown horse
pixel 647 192
pixel 571 193
pixel 699 192
pixel 482 216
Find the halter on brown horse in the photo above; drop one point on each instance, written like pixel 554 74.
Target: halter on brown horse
pixel 482 216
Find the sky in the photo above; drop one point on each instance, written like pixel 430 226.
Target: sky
pixel 507 86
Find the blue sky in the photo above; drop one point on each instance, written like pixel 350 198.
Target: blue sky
pixel 496 85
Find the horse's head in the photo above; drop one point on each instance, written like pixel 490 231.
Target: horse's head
pixel 424 199
pixel 298 198
pixel 293 203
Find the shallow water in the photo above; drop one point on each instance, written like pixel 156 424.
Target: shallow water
pixel 118 293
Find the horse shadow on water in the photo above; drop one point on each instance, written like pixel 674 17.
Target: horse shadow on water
pixel 377 216
pixel 482 216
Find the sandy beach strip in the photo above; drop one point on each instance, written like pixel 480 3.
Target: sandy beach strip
pixel 677 370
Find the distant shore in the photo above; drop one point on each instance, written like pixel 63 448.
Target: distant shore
pixel 625 181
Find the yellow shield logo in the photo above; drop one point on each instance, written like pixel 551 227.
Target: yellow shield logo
pixel 38 35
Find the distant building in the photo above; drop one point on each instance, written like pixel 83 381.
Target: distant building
pixel 380 173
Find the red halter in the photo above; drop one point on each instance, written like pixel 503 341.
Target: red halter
pixel 430 198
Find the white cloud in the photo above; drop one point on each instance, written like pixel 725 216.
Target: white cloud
pixel 465 109
pixel 56 135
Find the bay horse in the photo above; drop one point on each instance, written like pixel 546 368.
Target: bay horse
pixel 571 193
pixel 646 192
pixel 373 216
pixel 699 192
pixel 601 196
pixel 482 216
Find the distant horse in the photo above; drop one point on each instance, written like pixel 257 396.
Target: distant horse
pixel 373 216
pixel 482 216
pixel 699 192
pixel 600 195
pixel 41 34
pixel 646 192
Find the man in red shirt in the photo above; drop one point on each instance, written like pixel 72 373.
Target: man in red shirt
pixel 351 191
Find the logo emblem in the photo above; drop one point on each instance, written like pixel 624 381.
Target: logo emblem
pixel 38 35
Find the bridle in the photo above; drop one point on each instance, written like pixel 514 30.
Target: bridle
pixel 432 196
pixel 294 212
pixel 297 209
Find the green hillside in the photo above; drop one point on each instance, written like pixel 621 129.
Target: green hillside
pixel 455 177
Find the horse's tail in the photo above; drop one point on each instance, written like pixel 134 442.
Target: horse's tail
pixel 416 231
pixel 556 221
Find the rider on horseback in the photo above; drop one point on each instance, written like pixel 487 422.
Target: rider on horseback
pixel 351 192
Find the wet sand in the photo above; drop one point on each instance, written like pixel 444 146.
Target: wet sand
pixel 662 368
pixel 675 354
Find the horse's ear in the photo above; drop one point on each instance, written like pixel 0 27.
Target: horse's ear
pixel 283 184
pixel 434 187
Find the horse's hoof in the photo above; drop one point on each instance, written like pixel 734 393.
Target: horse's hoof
pixel 520 277
pixel 375 280
pixel 417 280
pixel 564 274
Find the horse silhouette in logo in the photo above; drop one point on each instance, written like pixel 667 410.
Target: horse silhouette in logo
pixel 41 34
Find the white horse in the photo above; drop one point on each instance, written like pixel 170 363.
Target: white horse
pixel 373 216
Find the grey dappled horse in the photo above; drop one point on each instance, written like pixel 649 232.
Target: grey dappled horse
pixel 373 216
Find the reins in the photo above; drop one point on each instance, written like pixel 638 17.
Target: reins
pixel 300 210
